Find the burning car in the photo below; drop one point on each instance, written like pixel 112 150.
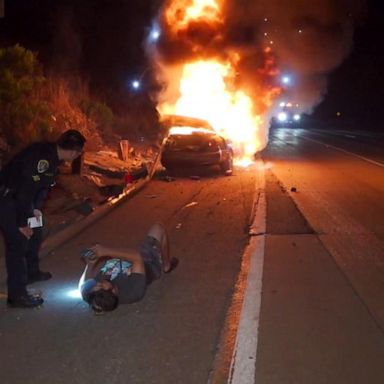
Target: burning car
pixel 194 143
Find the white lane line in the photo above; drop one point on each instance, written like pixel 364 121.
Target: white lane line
pixel 243 364
pixel 345 151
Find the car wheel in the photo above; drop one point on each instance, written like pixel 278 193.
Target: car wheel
pixel 227 165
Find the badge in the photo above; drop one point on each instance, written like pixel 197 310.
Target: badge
pixel 42 166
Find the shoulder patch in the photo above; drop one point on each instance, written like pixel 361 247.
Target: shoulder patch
pixel 36 177
pixel 42 166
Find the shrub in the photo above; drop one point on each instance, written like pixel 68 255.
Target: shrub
pixel 23 115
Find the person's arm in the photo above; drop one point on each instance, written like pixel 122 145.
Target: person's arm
pixel 40 197
pixel 24 201
pixel 126 254
pixel 87 280
pixel 92 268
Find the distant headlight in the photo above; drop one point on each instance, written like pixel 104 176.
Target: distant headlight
pixel 282 116
pixel 296 117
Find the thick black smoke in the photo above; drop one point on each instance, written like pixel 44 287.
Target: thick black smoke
pixel 308 39
pixel 102 40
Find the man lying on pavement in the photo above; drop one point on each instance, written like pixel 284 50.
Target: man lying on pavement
pixel 119 276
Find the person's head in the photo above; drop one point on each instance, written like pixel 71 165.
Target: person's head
pixel 70 145
pixel 104 297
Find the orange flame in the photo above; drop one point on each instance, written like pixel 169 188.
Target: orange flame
pixel 204 94
pixel 180 13
pixel 207 88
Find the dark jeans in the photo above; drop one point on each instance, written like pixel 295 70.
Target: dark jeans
pixel 21 254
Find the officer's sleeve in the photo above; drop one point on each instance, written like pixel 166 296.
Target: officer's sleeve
pixel 40 198
pixel 27 188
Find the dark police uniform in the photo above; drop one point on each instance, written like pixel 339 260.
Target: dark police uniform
pixel 24 183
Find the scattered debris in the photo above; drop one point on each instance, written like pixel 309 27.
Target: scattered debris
pixel 139 173
pixel 112 190
pixel 85 207
pixel 168 178
pixel 150 196
pixel 191 204
pixel 128 178
pixel 108 172
pixel 178 225
pixel 293 189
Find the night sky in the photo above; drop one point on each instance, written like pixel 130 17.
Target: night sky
pixel 99 39
pixel 356 88
pixel 102 41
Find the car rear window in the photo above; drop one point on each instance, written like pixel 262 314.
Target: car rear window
pixel 193 140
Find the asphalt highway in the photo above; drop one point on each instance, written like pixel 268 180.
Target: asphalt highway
pixel 314 263
pixel 322 316
pixel 169 337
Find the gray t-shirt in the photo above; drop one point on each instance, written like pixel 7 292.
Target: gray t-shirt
pixel 131 286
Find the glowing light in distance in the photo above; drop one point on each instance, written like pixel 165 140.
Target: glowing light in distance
pixel 286 80
pixel 155 34
pixel 296 117
pixel 136 84
pixel 282 116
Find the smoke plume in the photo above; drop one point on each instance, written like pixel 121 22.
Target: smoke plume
pixel 265 39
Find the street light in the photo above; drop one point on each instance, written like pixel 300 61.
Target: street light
pixel 137 82
pixel 286 80
pixel 154 33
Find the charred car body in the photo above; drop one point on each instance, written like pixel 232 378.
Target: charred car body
pixel 194 143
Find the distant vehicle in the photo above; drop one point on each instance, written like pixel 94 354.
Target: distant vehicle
pixel 287 115
pixel 194 143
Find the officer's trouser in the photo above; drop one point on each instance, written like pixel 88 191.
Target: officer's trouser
pixel 21 254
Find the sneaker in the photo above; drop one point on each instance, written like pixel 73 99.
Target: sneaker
pixel 39 276
pixel 25 301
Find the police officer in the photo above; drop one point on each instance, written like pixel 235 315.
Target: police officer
pixel 24 183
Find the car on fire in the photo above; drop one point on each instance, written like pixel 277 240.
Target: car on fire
pixel 193 142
